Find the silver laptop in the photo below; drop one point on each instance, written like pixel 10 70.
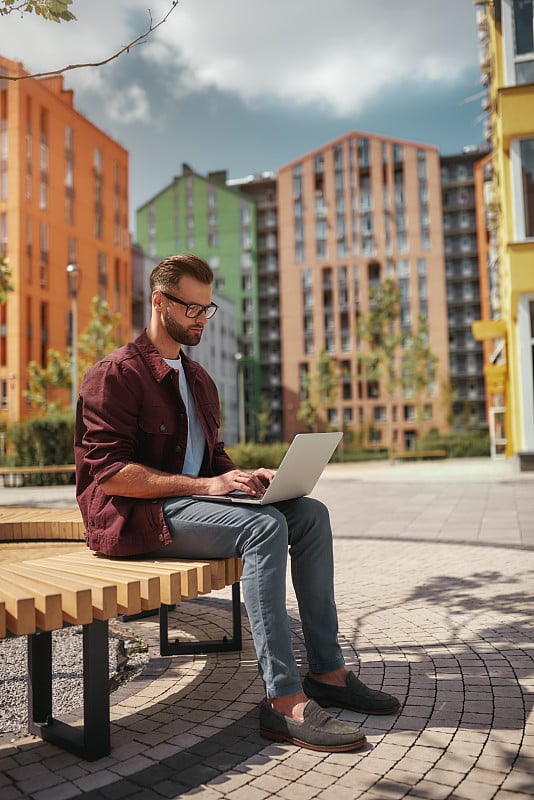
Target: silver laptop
pixel 297 474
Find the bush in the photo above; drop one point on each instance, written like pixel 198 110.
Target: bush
pixel 352 454
pixel 470 444
pixel 252 456
pixel 42 441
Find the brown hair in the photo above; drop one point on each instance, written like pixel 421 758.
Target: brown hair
pixel 169 271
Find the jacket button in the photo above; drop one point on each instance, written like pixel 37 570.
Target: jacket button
pixel 178 448
pixel 161 537
pixel 162 428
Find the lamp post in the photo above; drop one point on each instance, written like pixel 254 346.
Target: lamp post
pixel 241 396
pixel 73 281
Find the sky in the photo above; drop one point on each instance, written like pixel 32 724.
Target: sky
pixel 249 86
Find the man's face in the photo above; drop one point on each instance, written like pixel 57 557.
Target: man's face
pixel 183 329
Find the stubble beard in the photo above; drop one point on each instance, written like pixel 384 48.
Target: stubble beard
pixel 180 334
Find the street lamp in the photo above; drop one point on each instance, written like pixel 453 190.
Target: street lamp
pixel 73 281
pixel 241 396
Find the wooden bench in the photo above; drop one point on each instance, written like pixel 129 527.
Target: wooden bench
pixel 41 595
pixel 23 476
pixel 419 455
pixel 23 523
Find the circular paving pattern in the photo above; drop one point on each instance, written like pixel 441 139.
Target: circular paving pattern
pixel 445 627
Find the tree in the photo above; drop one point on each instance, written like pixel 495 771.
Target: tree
pixel 319 389
pixel 57 11
pixel 378 329
pixel 5 280
pixel 95 342
pixel 263 416
pixel 98 339
pixel 43 381
pixel 418 368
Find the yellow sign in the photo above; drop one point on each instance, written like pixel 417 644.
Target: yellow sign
pixel 488 329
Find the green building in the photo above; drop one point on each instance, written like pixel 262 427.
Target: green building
pixel 203 215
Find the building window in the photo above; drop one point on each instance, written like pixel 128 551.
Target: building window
pixel 363 152
pixel 409 413
pixel 3 233
pixel 43 195
pixel 522 151
pixel 518 34
pixel 3 159
pixel 332 416
pixel 421 165
pixel 398 153
pixel 43 242
pixel 402 243
pixel 379 414
pixel 526 365
pixel 421 267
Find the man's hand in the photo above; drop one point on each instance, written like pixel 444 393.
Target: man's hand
pixel 252 483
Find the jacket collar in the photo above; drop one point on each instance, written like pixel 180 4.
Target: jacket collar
pixel 157 364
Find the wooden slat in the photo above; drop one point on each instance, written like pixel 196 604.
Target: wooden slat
pixel 218 574
pixel 121 574
pixel 76 597
pixel 47 601
pixel 20 609
pixel 22 522
pixel 186 573
pixel 229 571
pixel 103 590
pixel 49 469
pixel 203 573
pixel 170 580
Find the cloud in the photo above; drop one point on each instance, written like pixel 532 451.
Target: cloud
pixel 337 55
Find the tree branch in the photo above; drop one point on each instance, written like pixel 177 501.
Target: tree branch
pixel 124 49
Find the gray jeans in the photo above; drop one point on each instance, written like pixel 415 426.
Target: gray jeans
pixel 261 536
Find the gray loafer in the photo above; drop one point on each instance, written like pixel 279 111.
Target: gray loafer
pixel 355 696
pixel 319 731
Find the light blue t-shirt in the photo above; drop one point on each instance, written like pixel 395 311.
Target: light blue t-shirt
pixel 196 441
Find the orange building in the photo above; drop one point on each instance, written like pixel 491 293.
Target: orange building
pixel 63 200
pixel 356 211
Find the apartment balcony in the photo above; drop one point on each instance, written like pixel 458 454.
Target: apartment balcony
pixel 511 104
pixel 272 359
pixel 269 315
pixel 460 300
pixel 269 336
pixel 268 269
pixel 460 325
pixel 460 230
pixel 265 292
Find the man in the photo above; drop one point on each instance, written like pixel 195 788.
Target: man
pixel 146 441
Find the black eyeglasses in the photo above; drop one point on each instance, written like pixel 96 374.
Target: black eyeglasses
pixel 193 310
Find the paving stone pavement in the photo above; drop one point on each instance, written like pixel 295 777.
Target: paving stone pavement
pixel 434 577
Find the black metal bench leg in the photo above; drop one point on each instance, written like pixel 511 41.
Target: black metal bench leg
pixel 93 740
pixel 224 645
pixel 39 678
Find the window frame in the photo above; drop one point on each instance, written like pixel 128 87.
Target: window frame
pixel 518 197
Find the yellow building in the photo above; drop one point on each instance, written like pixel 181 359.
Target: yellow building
pixel 63 200
pixel 506 32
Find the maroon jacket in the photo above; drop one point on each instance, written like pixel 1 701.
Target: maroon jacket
pixel 130 410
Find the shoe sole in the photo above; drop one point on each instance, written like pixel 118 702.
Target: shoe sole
pixel 342 748
pixel 331 704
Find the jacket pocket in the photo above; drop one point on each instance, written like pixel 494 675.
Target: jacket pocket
pixel 157 439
